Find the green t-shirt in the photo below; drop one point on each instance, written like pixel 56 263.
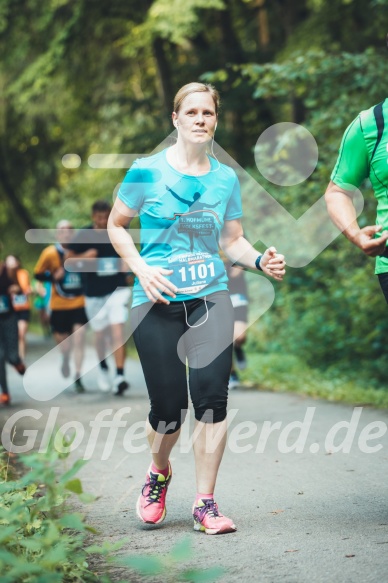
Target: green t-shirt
pixel 364 154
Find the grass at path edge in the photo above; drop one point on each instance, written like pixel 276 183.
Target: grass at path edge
pixel 277 372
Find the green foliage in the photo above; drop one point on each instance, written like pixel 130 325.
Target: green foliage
pixel 328 83
pixel 40 539
pixel 167 20
pixel 279 371
pixel 329 314
pixel 170 566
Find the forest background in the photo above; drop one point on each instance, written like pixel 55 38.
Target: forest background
pixel 91 77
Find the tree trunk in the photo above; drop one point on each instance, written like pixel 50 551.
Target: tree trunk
pixel 164 76
pixel 13 201
pixel 232 52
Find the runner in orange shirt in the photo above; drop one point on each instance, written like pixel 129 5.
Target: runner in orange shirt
pixel 67 302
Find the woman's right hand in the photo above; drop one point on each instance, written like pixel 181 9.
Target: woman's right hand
pixel 154 283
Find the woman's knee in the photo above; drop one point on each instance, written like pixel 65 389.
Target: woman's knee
pixel 167 422
pixel 211 406
pixel 168 413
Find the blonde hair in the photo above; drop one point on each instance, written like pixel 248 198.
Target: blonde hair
pixel 195 88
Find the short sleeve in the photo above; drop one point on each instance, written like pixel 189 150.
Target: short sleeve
pixel 234 208
pixel 131 191
pixel 352 166
pixel 78 242
pixel 44 263
pixel 23 278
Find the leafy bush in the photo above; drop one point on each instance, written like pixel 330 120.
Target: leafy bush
pixel 286 372
pixel 40 540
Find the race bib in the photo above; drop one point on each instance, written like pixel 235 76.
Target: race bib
pixel 19 300
pixel 71 281
pixel 4 304
pixel 107 266
pixel 194 271
pixel 238 300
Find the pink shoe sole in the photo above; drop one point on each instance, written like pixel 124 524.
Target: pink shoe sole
pixel 221 530
pixel 149 521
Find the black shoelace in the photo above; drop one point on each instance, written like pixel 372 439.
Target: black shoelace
pixel 210 508
pixel 156 489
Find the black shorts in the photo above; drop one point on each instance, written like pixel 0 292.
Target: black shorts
pixel 23 315
pixel 62 321
pixel 383 280
pixel 240 306
pixel 241 314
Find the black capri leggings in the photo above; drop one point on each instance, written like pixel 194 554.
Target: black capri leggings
pixel 200 330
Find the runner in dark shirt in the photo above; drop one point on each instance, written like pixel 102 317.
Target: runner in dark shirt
pixel 9 350
pixel 106 293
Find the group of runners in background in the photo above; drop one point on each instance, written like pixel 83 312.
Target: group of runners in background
pixel 66 301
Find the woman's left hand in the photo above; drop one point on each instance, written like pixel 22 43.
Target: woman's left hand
pixel 273 264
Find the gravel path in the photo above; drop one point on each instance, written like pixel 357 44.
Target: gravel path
pixel 312 515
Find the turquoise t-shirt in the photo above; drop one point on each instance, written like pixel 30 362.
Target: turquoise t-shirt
pixel 181 218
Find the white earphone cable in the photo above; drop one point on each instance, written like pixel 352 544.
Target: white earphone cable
pixel 205 320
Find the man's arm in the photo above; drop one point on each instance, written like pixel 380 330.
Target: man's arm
pixel 351 169
pixel 343 214
pixel 43 267
pixel 47 269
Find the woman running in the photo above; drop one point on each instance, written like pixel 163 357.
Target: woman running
pixel 189 204
pixel 21 301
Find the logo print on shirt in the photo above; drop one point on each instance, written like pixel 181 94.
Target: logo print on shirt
pixel 194 222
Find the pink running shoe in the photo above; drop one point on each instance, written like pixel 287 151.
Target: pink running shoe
pixel 151 504
pixel 207 518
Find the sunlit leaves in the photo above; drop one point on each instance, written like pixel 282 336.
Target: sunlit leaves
pixel 178 21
